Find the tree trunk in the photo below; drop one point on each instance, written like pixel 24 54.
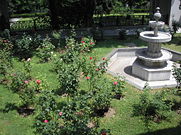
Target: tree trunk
pixel 4 15
pixel 54 13
pixel 89 12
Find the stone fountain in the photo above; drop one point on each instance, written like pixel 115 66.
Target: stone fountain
pixel 152 63
pixel 149 66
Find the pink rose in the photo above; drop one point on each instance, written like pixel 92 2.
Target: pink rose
pixel 26 82
pixel 87 77
pixel 60 113
pixel 45 121
pixel 115 83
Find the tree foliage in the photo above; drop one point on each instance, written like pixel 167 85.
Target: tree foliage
pixel 77 12
pixel 26 6
pixel 135 3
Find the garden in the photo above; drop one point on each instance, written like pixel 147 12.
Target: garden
pixel 60 86
pixel 54 78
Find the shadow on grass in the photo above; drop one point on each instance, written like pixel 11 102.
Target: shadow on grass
pixel 9 107
pixel 168 131
pixel 22 110
pixel 176 39
pixel 116 42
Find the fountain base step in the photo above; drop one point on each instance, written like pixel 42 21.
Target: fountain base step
pixel 152 74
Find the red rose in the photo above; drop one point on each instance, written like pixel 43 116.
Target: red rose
pixel 103 58
pixel 38 81
pixel 90 58
pixel 103 133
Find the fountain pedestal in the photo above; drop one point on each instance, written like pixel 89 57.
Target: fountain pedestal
pixel 152 64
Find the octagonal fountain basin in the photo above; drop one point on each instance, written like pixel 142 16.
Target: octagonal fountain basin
pixel 121 64
pixel 148 36
pixel 154 62
pixel 154 24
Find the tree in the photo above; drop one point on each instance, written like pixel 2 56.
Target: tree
pixel 4 15
pixel 135 3
pixel 76 12
pixel 26 6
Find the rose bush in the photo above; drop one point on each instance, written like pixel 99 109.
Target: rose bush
pixel 45 50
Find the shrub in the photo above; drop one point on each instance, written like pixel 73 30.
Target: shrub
pixel 177 75
pixel 77 117
pixel 90 67
pixel 72 51
pixel 17 79
pixel 71 68
pixel 25 46
pixel 5 56
pixel 152 106
pixel 101 102
pixel 5 60
pixel 68 77
pixel 21 83
pixel 98 85
pixel 5 34
pixel 45 51
pixel 68 68
pixel 118 88
pixel 47 115
pixel 27 94
pixel 24 87
pixel 87 43
pixel 58 41
pixel 22 47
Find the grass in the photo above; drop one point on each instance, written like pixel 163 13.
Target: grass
pixel 175 44
pixel 123 123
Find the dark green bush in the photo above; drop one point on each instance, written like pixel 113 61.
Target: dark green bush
pixel 152 106
pixel 26 45
pixel 177 75
pixel 5 56
pixel 58 40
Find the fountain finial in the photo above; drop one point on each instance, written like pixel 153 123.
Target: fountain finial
pixel 157 24
pixel 157 15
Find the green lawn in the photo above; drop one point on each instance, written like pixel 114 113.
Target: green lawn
pixel 175 44
pixel 122 123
